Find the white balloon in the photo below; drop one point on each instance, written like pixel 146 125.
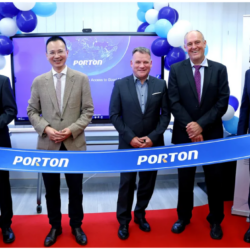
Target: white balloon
pixel 24 6
pixel 8 27
pixel 2 62
pixel 151 16
pixel 229 114
pixel 160 5
pixel 176 37
pixel 186 26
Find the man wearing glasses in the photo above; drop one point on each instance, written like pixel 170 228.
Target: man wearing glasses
pixel 60 108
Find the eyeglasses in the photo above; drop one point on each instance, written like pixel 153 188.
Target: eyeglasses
pixel 59 52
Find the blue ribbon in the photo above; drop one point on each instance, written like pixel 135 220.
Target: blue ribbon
pixel 112 161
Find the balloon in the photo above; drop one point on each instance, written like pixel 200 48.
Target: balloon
pixel 8 27
pixel 233 101
pixel 167 13
pixel 8 10
pixel 145 6
pixel 229 114
pixel 166 66
pixel 141 16
pixel 231 125
pixel 176 37
pixel 162 27
pixel 160 47
pixel 177 15
pixel 150 28
pixel 2 62
pixel 24 6
pixel 158 76
pixel 1 17
pixel 175 55
pixel 18 32
pixel 151 16
pixel 142 27
pixel 206 50
pixel 26 21
pixel 45 9
pixel 184 25
pixel 6 46
pixel 160 5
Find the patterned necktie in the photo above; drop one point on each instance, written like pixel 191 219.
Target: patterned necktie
pixel 59 89
pixel 197 78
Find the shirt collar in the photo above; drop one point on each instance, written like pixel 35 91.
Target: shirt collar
pixel 135 78
pixel 64 71
pixel 203 64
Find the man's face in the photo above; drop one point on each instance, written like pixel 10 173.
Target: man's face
pixel 195 46
pixel 57 55
pixel 141 65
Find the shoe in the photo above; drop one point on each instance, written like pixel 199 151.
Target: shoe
pixel 247 236
pixel 123 232
pixel 143 224
pixel 179 226
pixel 51 237
pixel 81 237
pixel 216 232
pixel 8 235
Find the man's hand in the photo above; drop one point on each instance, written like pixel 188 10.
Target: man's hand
pixel 197 138
pixel 147 142
pixel 53 134
pixel 65 133
pixel 193 129
pixel 136 142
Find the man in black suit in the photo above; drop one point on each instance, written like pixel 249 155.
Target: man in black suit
pixel 198 93
pixel 140 113
pixel 8 111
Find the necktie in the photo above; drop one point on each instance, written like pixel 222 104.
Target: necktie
pixel 197 78
pixel 59 89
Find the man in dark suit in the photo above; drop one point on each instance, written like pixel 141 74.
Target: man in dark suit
pixel 8 111
pixel 244 126
pixel 140 113
pixel 198 93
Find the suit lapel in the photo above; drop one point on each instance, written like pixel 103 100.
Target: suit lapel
pixel 207 76
pixel 133 92
pixel 151 84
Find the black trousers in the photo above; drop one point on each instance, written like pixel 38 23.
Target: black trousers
pixel 52 186
pixel 213 179
pixel 5 200
pixel 126 194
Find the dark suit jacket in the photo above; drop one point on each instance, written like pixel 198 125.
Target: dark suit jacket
pixel 127 117
pixel 244 121
pixel 184 100
pixel 8 110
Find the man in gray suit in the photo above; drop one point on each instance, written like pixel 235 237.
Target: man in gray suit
pixel 60 108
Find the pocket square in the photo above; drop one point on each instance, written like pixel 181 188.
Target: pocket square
pixel 156 93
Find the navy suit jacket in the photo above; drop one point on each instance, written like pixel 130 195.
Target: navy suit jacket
pixel 243 126
pixel 8 110
pixel 126 115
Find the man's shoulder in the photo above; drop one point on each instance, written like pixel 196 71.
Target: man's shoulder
pixel 155 79
pixel 177 65
pixel 215 64
pixel 3 78
pixel 43 76
pixel 124 79
pixel 72 72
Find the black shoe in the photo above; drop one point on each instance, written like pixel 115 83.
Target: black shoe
pixel 123 232
pixel 247 236
pixel 81 237
pixel 51 237
pixel 179 226
pixel 143 224
pixel 8 235
pixel 216 232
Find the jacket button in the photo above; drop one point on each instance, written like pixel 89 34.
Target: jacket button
pixel 61 119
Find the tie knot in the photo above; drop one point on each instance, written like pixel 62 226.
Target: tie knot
pixel 59 75
pixel 197 67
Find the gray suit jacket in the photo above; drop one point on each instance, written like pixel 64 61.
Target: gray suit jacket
pixel 77 111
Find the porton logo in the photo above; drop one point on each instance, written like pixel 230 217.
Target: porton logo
pixel 44 162
pixel 87 62
pixel 162 158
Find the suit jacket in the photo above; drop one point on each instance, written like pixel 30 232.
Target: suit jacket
pixel 127 117
pixel 43 109
pixel 244 120
pixel 8 110
pixel 184 100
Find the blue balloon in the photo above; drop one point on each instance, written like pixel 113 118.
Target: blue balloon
pixel 160 47
pixel 206 50
pixel 142 27
pixel 162 27
pixel 26 21
pixel 177 15
pixel 6 46
pixel 145 6
pixel 233 101
pixel 158 76
pixel 167 13
pixel 175 55
pixel 141 16
pixel 231 125
pixel 166 66
pixel 8 10
pixel 150 28
pixel 44 9
pixel 18 32
pixel 1 17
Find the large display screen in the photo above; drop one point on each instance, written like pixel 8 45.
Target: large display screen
pixel 103 57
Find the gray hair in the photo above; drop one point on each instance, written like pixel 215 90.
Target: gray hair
pixel 142 50
pixel 192 31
